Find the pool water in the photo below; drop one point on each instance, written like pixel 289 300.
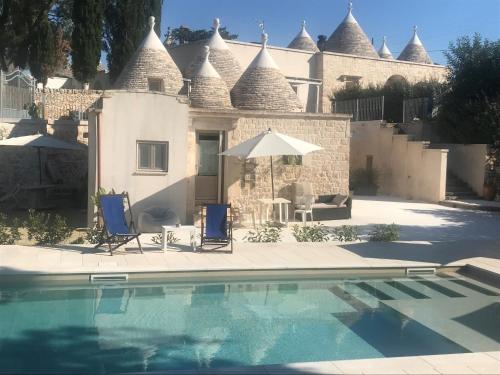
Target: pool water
pixel 97 329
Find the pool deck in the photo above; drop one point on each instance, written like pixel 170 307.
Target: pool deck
pixel 431 236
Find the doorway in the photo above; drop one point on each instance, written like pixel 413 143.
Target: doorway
pixel 209 170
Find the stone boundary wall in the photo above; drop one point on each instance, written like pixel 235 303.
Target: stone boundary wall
pixel 58 104
pixel 327 170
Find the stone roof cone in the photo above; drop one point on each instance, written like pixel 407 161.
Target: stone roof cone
pixel 350 38
pixel 150 61
pixel 384 51
pixel 303 41
pixel 415 50
pixel 263 87
pixel 221 58
pixel 208 90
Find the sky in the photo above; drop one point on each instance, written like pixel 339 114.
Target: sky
pixel 438 21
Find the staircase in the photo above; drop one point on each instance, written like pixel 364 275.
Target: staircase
pixel 456 189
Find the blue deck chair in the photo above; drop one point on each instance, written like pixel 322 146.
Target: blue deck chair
pixel 217 225
pixel 116 230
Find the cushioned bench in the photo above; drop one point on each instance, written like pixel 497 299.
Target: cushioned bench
pixel 325 209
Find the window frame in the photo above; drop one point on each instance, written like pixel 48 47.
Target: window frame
pixel 152 155
pixel 155 81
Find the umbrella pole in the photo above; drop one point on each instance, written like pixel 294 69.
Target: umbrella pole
pixel 272 178
pixel 40 164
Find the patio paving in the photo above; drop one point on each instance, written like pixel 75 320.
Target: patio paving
pixel 431 235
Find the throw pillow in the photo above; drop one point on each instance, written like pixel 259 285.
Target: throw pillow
pixel 339 200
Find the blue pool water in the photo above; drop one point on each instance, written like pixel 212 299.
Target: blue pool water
pixel 96 329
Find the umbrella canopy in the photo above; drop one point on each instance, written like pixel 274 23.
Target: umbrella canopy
pixel 39 141
pixel 271 144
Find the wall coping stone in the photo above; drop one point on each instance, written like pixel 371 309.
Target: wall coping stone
pixel 239 113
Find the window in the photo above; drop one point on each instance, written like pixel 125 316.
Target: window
pixel 369 162
pixel 155 84
pixel 152 156
pixel 292 160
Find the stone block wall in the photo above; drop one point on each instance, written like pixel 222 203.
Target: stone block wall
pixel 328 169
pixel 59 103
pixel 331 66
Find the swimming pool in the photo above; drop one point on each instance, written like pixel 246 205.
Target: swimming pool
pixel 158 326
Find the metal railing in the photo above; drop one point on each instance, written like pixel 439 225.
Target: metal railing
pixel 417 109
pixel 364 109
pixel 17 95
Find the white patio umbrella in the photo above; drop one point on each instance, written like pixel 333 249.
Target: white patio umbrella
pixel 271 144
pixel 40 141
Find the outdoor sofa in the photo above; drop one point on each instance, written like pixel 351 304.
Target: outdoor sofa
pixel 324 208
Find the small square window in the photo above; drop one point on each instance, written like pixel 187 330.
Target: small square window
pixel 155 84
pixel 152 156
pixel 292 160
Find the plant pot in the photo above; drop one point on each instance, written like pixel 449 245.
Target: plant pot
pixel 489 191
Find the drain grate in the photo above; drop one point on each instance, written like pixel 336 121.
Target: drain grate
pixel 420 271
pixel 103 278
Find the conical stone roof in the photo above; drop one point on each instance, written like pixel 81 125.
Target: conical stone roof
pixel 263 87
pixel 221 58
pixel 303 41
pixel 384 52
pixel 208 90
pixel 350 38
pixel 415 51
pixel 151 61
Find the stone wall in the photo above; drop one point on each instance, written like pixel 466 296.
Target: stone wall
pixel 331 67
pixel 328 169
pixel 58 104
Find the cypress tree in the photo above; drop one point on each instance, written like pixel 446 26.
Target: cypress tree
pixel 86 40
pixel 42 52
pixel 126 24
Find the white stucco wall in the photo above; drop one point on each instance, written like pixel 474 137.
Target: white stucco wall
pixel 126 118
pixel 406 169
pixel 468 163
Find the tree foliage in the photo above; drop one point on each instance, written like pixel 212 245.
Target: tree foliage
pixel 42 57
pixel 183 35
pixel 86 40
pixel 126 24
pixel 470 108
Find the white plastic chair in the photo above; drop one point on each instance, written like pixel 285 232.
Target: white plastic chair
pixel 304 208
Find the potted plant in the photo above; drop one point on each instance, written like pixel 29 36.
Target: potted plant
pixel 364 181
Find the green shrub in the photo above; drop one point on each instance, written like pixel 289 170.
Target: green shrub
pixel 46 229
pixel 95 234
pixel 170 238
pixel 9 234
pixel 266 233
pixel 314 233
pixel 385 233
pixel 346 233
pixel 78 241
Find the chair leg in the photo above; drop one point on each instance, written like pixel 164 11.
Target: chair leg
pixel 110 248
pixel 139 243
pixel 312 219
pixel 304 217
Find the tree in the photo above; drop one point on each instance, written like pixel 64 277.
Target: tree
pixel 183 35
pixel 125 26
pixel 469 110
pixel 41 58
pixel 86 41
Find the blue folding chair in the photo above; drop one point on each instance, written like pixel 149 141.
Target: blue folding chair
pixel 116 231
pixel 217 225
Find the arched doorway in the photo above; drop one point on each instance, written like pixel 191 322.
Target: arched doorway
pixel 395 91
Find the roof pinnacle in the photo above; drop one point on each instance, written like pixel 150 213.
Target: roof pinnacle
pixel 216 24
pixel 151 22
pixel 264 38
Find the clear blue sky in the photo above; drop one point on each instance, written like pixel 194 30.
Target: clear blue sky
pixel 439 21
